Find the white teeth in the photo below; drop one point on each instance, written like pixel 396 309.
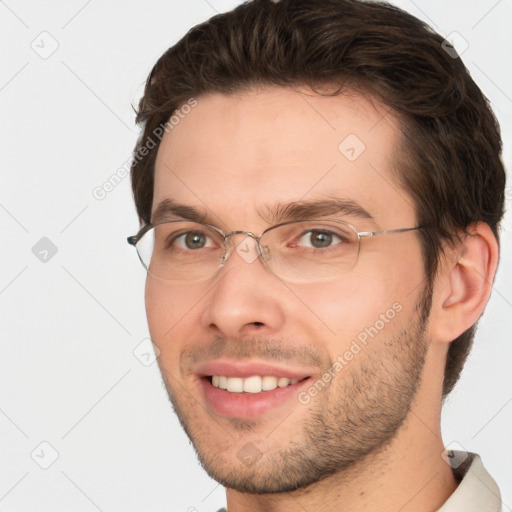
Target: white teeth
pixel 253 384
pixel 235 384
pixel 223 383
pixel 268 383
pixel 283 381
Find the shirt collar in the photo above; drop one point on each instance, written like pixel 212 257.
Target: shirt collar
pixel 477 490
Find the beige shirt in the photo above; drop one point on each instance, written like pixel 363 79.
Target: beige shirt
pixel 477 490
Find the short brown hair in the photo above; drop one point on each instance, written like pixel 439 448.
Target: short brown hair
pixel 450 158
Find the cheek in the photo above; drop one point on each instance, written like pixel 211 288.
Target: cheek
pixel 369 301
pixel 333 313
pixel 156 309
pixel 169 316
pixel 393 269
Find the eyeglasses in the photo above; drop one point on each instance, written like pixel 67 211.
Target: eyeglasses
pixel 297 251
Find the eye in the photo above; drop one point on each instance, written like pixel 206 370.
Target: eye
pixel 192 240
pixel 319 239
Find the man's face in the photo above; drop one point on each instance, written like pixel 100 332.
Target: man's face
pixel 236 158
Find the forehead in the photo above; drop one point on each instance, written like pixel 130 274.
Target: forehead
pixel 239 154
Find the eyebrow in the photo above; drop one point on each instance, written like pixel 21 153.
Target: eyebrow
pixel 169 209
pixel 302 210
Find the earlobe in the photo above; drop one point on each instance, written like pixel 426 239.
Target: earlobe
pixel 464 283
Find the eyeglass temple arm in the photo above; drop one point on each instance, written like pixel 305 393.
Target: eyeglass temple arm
pixel 132 240
pixel 363 234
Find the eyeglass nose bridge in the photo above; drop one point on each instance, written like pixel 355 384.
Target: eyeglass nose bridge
pixel 263 252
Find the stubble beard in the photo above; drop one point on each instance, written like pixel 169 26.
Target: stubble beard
pixel 357 415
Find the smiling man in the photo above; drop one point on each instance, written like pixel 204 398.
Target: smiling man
pixel 319 225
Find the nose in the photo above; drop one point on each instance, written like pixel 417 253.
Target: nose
pixel 244 297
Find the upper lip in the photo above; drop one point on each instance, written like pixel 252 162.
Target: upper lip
pixel 247 369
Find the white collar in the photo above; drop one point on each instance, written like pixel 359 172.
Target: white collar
pixel 477 490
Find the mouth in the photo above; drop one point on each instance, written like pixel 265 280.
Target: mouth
pixel 253 384
pixel 248 389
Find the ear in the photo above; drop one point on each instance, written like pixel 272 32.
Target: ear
pixel 463 283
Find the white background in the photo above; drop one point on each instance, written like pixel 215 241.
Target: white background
pixel 70 325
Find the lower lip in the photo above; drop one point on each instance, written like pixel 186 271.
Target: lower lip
pixel 247 405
